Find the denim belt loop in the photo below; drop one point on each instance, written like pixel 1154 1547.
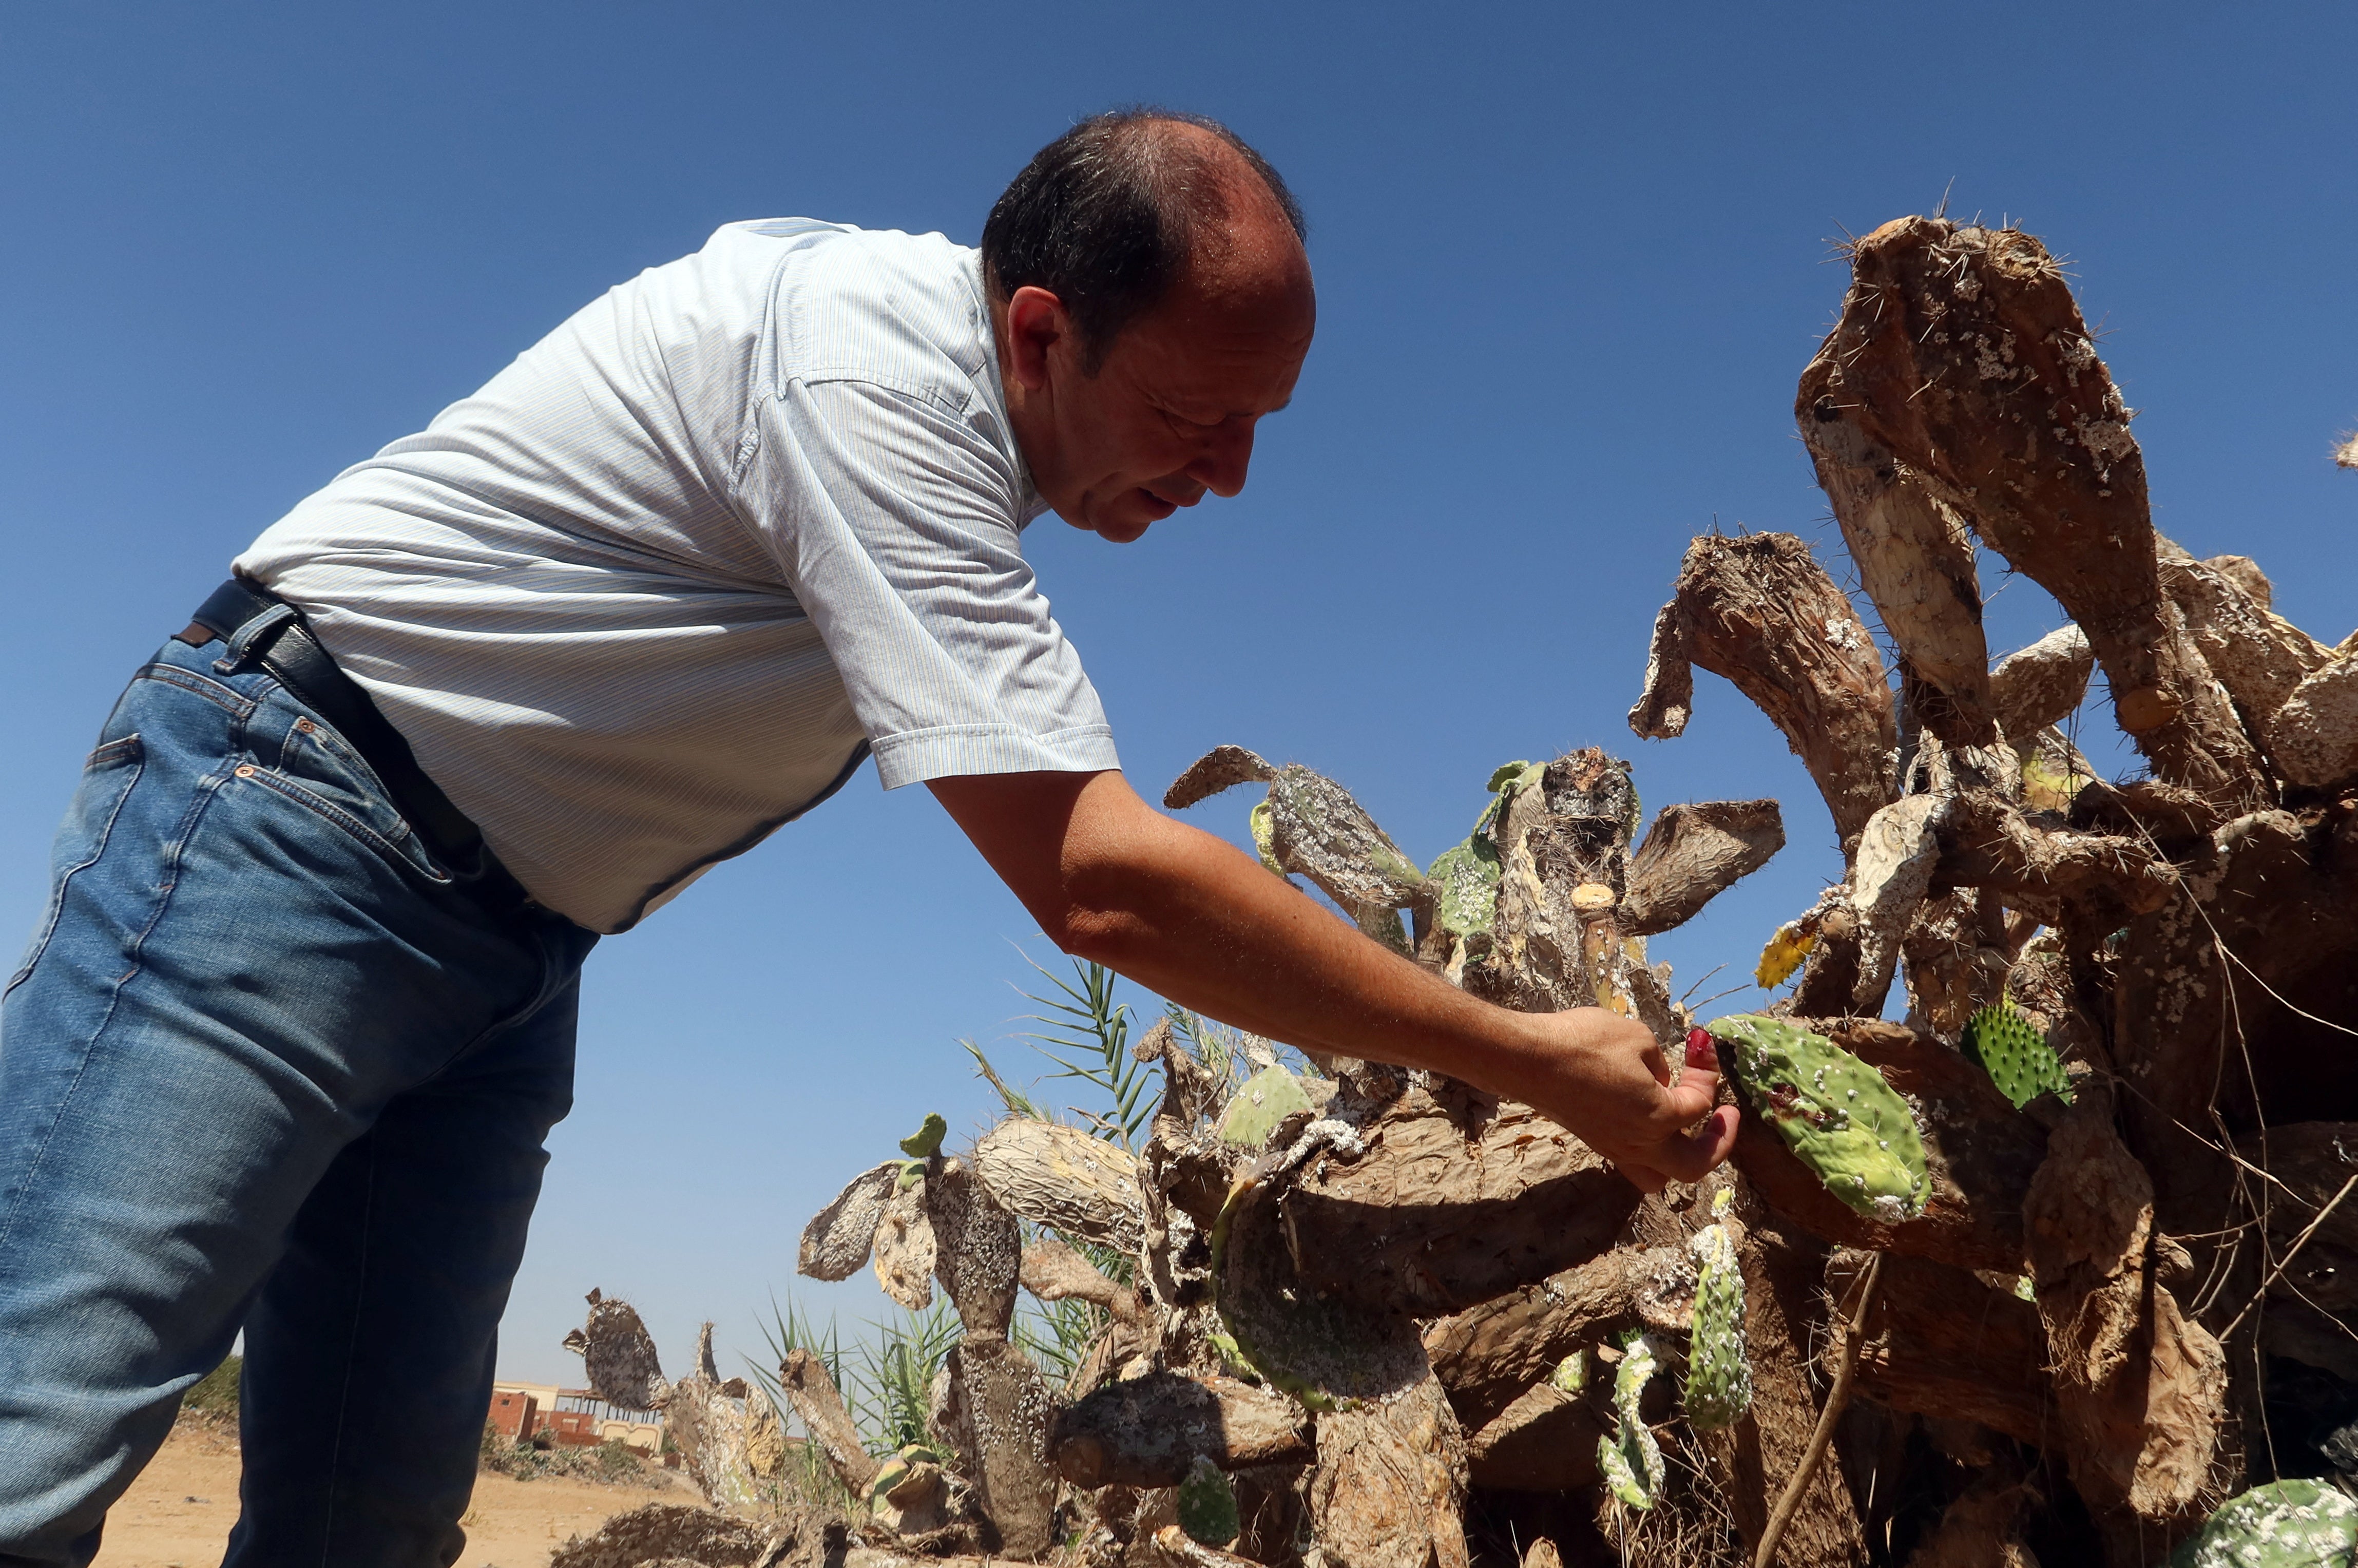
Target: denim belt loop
pixel 258 630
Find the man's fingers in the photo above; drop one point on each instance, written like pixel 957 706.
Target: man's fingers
pixel 1697 1089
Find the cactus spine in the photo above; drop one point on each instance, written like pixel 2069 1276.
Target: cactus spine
pixel 2015 1054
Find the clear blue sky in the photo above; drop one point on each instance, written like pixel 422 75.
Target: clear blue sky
pixel 1570 262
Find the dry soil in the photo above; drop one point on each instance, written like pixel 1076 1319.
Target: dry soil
pixel 180 1511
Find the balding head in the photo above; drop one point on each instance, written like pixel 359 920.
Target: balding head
pixel 1129 209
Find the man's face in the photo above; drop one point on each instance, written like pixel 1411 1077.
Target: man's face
pixel 1170 413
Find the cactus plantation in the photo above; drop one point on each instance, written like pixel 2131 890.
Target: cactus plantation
pixel 2051 1272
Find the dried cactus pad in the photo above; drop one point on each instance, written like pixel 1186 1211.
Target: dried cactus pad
pixel 895 1472
pixel 618 1355
pixel 837 1240
pixel 2285 1524
pixel 1719 1373
pixel 2015 1054
pixel 1834 1111
pixel 1266 1098
pixel 1207 1505
pixel 1631 1458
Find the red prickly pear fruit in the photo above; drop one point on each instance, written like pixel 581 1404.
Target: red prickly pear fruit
pixel 1700 1050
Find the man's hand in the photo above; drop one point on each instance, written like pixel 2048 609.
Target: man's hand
pixel 1187 915
pixel 1605 1080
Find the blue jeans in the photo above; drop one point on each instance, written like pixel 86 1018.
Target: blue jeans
pixel 266 1066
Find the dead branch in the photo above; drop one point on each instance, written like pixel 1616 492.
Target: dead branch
pixel 1456 1197
pixel 1062 1178
pixel 1222 767
pixel 820 1406
pixel 1765 1554
pixel 2042 684
pixel 2140 1389
pixel 1146 1432
pixel 1760 612
pixel 1963 353
pixel 1915 558
pixel 1691 854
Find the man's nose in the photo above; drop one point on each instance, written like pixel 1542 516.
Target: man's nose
pixel 1226 454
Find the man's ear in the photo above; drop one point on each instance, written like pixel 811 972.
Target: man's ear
pixel 1036 322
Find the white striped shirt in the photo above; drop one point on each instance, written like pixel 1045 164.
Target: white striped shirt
pixel 660 585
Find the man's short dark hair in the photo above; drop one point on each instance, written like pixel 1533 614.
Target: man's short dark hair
pixel 1106 217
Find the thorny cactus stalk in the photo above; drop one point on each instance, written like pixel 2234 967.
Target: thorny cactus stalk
pixel 2016 1055
pixel 1719 1372
pixel 2285 1524
pixel 1631 1458
pixel 1836 1113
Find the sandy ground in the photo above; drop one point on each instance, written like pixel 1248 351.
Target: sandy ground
pixel 180 1511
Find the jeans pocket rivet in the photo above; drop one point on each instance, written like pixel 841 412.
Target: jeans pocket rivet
pixel 305 725
pixel 246 771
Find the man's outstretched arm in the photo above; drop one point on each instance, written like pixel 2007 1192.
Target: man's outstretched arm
pixel 1111 879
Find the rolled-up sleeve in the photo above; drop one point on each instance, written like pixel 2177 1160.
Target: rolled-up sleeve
pixel 894 522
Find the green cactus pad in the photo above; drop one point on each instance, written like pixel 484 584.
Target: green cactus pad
pixel 2285 1524
pixel 1719 1373
pixel 1571 1374
pixel 1207 1505
pixel 1468 877
pixel 1631 1458
pixel 926 1141
pixel 2018 1058
pixel 1266 1098
pixel 1511 773
pixel 1834 1111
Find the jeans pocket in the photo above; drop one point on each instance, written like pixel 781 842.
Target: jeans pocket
pixel 107 777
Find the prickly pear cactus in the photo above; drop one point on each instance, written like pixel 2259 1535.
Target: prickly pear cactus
pixel 921 1146
pixel 1266 1098
pixel 1631 1458
pixel 2285 1524
pixel 1571 1374
pixel 1719 1373
pixel 926 1141
pixel 2015 1054
pixel 1467 881
pixel 1207 1505
pixel 1836 1113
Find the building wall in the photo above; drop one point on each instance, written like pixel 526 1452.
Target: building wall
pixel 513 1413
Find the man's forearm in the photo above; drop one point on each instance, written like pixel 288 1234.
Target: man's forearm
pixel 1194 920
pixel 1109 878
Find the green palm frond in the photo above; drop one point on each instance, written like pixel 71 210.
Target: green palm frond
pixel 1086 1033
pixel 891 1392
